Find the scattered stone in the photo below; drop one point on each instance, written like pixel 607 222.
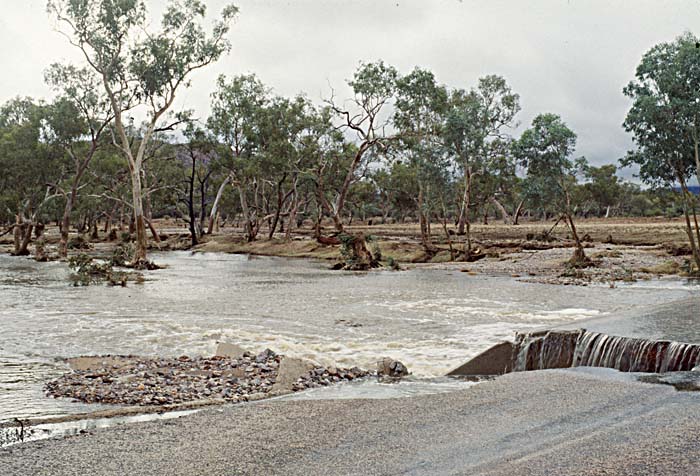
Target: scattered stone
pixel 347 323
pixel 129 380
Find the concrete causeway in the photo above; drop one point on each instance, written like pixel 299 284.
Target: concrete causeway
pixel 555 422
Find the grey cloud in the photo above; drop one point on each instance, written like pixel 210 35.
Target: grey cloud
pixel 568 57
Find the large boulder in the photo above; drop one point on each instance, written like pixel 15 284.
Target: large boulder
pixel 496 360
pixel 388 368
pixel 94 362
pixel 233 351
pixel 290 370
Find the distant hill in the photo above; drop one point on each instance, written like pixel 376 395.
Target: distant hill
pixel 694 189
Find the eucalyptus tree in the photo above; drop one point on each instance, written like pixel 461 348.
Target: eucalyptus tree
pixel 283 130
pixel 324 156
pixel 237 107
pixel 234 103
pixel 195 157
pixel 420 108
pixel 77 121
pixel 29 168
pixel 365 119
pixel 545 151
pixel 362 200
pixel 665 122
pixel 499 185
pixel 603 187
pixel 398 189
pixel 142 68
pixel 477 121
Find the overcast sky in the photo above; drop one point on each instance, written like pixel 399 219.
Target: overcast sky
pixel 568 57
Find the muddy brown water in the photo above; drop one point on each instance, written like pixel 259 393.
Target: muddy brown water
pixel 432 320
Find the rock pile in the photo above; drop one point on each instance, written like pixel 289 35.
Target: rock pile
pixel 321 376
pixel 164 381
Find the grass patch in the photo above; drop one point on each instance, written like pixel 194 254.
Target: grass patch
pixel 667 267
pixel 607 254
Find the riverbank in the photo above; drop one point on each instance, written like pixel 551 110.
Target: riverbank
pixel 530 423
pixel 621 250
pixel 526 260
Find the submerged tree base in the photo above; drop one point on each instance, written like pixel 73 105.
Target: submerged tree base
pixel 143 264
pixel 87 271
pixel 356 255
pixel 580 260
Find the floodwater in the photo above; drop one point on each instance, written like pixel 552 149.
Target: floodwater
pixel 432 320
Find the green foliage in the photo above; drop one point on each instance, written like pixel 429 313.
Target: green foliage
pixel 393 264
pixel 544 150
pixel 27 162
pixel 374 82
pixel 664 118
pixel 87 271
pixel 603 188
pixel 110 34
pixel 376 251
pixel 665 122
pixel 347 252
pixel 122 253
pixel 79 243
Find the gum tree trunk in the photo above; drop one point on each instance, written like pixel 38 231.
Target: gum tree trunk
pixel 424 231
pixel 65 223
pixel 139 222
pixel 215 207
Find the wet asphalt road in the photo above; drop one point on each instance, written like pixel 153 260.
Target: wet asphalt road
pixel 534 423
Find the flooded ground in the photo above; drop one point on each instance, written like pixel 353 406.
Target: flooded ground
pixel 430 319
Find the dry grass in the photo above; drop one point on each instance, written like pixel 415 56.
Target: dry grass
pixel 628 231
pixel 667 267
pixel 304 247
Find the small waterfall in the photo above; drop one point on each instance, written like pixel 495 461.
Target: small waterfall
pixel 545 350
pixel 561 349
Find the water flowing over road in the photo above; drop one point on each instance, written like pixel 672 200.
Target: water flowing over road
pixel 430 319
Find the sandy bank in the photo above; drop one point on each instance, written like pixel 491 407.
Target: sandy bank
pixel 621 249
pixel 517 258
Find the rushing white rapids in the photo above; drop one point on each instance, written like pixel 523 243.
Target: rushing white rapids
pixel 561 349
pixel 432 320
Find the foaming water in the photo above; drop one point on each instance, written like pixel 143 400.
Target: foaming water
pixel 432 320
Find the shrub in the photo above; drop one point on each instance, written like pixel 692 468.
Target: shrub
pixel 87 271
pixel 393 264
pixel 78 243
pixel 122 254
